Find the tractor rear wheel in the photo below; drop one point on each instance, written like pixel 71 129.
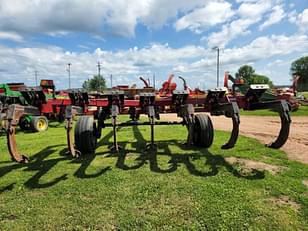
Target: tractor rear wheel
pixel 25 123
pixel 203 131
pixel 39 123
pixel 85 138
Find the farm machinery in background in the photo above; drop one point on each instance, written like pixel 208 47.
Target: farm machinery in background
pixel 239 86
pixel 36 97
pixel 93 111
pixel 9 93
pixel 168 87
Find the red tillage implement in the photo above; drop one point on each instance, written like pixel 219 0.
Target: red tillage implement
pixel 94 110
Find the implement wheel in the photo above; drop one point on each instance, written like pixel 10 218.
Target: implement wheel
pixel 203 131
pixel 39 123
pixel 85 138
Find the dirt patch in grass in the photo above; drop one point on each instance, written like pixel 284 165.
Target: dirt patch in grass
pixel 305 182
pixel 266 129
pixel 251 164
pixel 285 200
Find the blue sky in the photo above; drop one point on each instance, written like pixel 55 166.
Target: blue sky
pixel 143 38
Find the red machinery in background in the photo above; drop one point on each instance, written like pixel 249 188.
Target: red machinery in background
pixel 167 87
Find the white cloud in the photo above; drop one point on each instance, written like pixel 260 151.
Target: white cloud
pixel 160 11
pixel 98 17
pixel 259 50
pixel 255 9
pixel 291 5
pixel 18 64
pixel 55 16
pixel 241 1
pixel 200 19
pixel 292 16
pixel 249 13
pixel 275 17
pixel 303 21
pixel 11 36
pixel 265 47
pixel 229 32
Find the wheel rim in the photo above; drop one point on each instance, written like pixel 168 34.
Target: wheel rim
pixel 41 124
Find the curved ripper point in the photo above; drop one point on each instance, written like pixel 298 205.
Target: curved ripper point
pixel 69 138
pixel 12 118
pixel 11 142
pixel 285 126
pixel 232 111
pixel 234 134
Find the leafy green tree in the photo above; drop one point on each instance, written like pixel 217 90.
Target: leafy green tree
pixel 251 77
pixel 97 83
pixel 261 79
pixel 246 72
pixel 300 67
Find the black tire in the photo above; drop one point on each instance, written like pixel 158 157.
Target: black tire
pixel 85 138
pixel 203 131
pixel 24 124
pixel 39 123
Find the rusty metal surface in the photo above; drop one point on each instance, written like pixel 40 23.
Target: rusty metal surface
pixel 69 138
pixel 70 112
pixel 11 142
pixel 9 122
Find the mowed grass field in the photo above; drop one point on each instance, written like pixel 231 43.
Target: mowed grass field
pixel 175 188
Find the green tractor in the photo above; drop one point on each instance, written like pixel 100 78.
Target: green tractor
pixel 10 94
pixel 33 123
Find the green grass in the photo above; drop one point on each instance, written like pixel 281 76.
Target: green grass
pixel 176 188
pixel 302 111
pixel 305 94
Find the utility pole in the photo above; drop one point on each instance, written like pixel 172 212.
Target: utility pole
pixel 217 49
pixel 35 74
pixel 154 81
pixel 111 81
pixel 69 74
pixel 99 68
